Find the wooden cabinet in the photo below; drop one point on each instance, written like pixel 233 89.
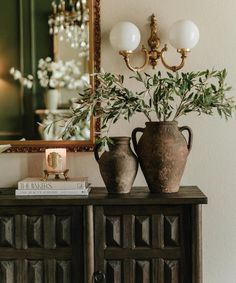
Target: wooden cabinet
pixel 134 238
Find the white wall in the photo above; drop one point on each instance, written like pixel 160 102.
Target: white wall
pixel 212 162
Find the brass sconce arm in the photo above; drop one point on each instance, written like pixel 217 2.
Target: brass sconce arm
pixel 183 35
pixel 126 55
pixel 183 53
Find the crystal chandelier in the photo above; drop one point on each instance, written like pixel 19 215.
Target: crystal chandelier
pixel 69 22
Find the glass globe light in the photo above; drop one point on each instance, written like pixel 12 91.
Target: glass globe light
pixel 184 34
pixel 125 36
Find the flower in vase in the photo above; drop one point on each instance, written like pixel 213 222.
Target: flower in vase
pixel 54 74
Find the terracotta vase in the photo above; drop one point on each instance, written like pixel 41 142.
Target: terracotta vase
pixel 162 153
pixel 118 166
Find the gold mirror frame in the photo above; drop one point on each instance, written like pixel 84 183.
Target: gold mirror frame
pixel 95 62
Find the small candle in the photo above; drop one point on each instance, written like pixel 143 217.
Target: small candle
pixel 55 159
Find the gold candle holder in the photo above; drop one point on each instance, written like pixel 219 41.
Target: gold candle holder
pixel 55 163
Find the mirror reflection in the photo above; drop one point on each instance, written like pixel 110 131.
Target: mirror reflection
pixel 44 83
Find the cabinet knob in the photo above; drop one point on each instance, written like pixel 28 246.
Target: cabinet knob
pixel 99 276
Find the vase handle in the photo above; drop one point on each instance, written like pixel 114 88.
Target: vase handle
pixel 96 148
pixel 134 139
pixel 190 135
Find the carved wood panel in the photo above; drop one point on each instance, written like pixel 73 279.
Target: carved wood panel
pixel 63 231
pixel 142 231
pixel 171 271
pixel 52 271
pixel 49 231
pixel 35 271
pixel 142 244
pixel 171 231
pixel 35 231
pixel 114 271
pixel 7 233
pixel 7 274
pixel 142 271
pixel 113 231
pixel 39 244
pixel 63 272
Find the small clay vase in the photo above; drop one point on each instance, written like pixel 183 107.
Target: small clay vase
pixel 162 153
pixel 118 166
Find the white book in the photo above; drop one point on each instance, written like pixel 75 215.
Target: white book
pixel 31 183
pixel 67 192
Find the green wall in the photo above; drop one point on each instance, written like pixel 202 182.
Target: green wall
pixel 24 39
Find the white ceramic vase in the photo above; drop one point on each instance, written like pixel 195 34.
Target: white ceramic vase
pixel 51 97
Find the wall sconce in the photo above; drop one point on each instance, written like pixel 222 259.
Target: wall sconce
pixel 125 37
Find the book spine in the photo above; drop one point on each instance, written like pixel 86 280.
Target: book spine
pixel 51 192
pixel 51 185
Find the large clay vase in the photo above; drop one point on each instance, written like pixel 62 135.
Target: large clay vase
pixel 162 153
pixel 118 166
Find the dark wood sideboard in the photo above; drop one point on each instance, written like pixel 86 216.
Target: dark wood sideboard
pixel 135 238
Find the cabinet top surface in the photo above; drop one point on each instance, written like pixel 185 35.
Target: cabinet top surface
pixel 99 196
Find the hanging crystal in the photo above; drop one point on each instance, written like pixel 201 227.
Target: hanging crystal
pixel 70 22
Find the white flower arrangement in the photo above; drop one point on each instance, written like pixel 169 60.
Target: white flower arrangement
pixel 55 74
pixel 25 81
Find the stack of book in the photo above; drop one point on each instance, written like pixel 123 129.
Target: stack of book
pixel 53 187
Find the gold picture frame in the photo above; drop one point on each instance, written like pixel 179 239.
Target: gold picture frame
pixel 94 66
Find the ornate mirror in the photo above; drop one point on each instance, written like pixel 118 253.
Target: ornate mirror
pixel 40 35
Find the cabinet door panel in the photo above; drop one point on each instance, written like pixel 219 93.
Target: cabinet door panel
pixel 41 245
pixel 140 244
